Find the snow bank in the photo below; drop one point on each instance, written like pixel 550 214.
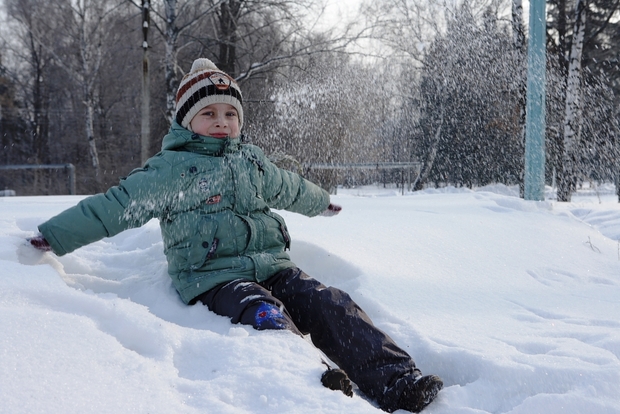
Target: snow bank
pixel 513 303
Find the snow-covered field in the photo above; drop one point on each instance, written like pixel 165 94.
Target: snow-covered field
pixel 515 304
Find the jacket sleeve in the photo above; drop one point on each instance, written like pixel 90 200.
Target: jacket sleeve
pixel 103 215
pixel 286 190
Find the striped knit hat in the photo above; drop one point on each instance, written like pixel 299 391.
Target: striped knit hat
pixel 204 85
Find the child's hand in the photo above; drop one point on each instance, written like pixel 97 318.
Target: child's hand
pixel 40 243
pixel 332 210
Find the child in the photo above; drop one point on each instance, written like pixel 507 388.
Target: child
pixel 227 250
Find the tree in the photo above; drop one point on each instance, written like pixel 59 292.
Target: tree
pixel 78 47
pixel 245 38
pixel 586 50
pixel 11 123
pixel 332 111
pixel 520 51
pixel 34 79
pixel 172 19
pixel 145 115
pixel 573 116
pixel 470 130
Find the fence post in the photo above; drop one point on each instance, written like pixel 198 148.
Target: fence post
pixel 71 168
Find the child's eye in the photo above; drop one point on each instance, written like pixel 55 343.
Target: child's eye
pixel 231 113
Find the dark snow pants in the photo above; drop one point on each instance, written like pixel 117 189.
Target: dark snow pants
pixel 337 325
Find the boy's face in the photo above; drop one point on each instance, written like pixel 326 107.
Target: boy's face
pixel 217 120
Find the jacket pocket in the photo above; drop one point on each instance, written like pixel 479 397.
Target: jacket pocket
pixel 192 253
pixel 283 229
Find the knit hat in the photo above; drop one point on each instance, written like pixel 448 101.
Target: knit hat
pixel 204 85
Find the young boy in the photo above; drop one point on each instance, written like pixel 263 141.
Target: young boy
pixel 226 249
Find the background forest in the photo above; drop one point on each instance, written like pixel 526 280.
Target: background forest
pixel 92 83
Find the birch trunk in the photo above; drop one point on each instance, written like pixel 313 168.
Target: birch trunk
pixel 92 144
pixel 90 58
pixel 432 154
pixel 567 178
pixel 519 47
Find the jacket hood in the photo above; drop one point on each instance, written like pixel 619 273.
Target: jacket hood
pixel 182 139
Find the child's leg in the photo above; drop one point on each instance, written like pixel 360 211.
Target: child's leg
pixel 248 303
pixel 251 304
pixel 341 329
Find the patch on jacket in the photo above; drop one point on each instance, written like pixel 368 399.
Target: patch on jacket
pixel 214 199
pixel 203 185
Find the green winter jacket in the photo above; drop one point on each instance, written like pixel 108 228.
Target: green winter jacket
pixel 212 198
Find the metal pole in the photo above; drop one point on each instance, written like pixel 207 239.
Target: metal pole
pixel 535 111
pixel 71 169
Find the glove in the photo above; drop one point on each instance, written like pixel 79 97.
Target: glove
pixel 332 210
pixel 337 380
pixel 40 243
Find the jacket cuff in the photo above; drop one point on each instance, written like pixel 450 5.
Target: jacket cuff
pixel 53 242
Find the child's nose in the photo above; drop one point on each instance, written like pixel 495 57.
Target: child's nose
pixel 221 120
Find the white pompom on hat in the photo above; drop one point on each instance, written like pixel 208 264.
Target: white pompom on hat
pixel 204 85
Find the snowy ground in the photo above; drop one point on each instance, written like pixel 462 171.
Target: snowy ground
pixel 515 304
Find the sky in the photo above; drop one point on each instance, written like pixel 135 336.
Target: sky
pixel 515 304
pixel 337 13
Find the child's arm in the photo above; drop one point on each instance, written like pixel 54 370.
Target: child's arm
pixel 285 190
pixel 90 220
pixel 122 207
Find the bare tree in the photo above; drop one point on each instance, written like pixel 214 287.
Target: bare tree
pixel 572 117
pixel 78 46
pixel 245 38
pixel 34 78
pixel 332 111
pixel 171 19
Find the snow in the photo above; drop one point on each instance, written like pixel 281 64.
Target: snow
pixel 515 304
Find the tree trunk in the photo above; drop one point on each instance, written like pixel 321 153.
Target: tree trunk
pixel 172 34
pixel 562 47
pixel 92 144
pixel 519 47
pixel 517 25
pixel 572 114
pixel 229 14
pixel 145 129
pixel 432 154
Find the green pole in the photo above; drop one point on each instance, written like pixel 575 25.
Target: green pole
pixel 535 110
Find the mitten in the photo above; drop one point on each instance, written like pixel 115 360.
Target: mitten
pixel 332 210
pixel 40 243
pixel 337 380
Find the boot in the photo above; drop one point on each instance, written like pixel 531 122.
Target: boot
pixel 420 393
pixel 411 392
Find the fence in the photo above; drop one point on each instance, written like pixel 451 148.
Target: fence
pixel 379 166
pixel 43 179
